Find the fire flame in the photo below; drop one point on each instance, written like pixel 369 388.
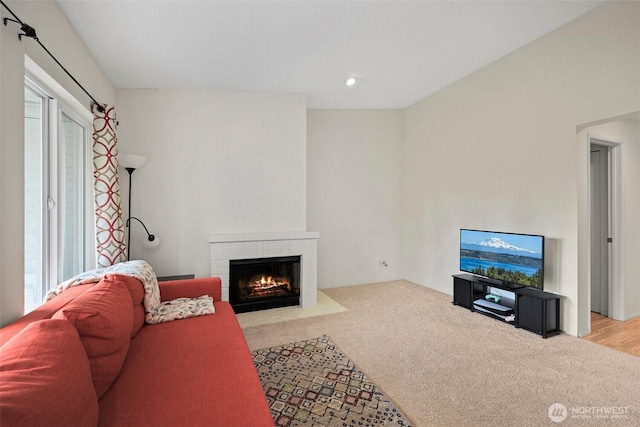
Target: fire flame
pixel 267 281
pixel 261 286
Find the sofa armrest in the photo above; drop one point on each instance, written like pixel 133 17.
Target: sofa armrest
pixel 191 288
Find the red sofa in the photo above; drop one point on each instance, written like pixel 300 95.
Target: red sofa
pixel 86 358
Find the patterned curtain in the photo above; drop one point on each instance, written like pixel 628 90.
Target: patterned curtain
pixel 110 235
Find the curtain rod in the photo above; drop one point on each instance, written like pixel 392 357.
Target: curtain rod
pixel 28 31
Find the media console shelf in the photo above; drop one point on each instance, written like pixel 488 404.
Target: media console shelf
pixel 531 309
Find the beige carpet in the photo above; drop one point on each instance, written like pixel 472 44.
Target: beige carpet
pixel 443 365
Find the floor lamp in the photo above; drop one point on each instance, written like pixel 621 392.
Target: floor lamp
pixel 131 162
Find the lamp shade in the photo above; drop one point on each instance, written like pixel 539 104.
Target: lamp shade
pixel 151 244
pixel 131 160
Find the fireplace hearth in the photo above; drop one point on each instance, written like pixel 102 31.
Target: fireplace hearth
pixel 263 283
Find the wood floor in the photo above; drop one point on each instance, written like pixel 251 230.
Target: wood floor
pixel 623 336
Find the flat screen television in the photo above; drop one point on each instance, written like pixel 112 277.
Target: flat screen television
pixel 511 259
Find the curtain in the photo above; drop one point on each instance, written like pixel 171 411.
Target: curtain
pixel 110 235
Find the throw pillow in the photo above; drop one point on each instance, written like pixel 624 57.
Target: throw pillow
pixel 136 290
pixel 45 379
pixel 104 320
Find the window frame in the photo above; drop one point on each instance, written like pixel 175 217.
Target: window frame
pixel 53 110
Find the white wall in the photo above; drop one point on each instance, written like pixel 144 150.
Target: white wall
pixel 60 38
pixel 354 194
pixel 497 150
pixel 218 162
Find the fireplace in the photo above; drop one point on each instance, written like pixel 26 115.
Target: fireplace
pixel 263 283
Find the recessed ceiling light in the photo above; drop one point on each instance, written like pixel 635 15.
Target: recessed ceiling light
pixel 350 82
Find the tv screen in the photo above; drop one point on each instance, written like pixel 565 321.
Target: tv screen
pixel 508 257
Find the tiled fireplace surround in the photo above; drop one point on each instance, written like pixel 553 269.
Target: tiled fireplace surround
pixel 226 247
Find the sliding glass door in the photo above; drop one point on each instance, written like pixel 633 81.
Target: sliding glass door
pixel 35 196
pixel 57 194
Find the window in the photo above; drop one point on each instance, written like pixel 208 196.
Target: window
pixel 58 225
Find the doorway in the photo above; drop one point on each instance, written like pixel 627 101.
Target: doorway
pixel 606 292
pixel 599 208
pixel 614 133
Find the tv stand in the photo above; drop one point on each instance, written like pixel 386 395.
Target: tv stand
pixel 531 309
pixel 498 284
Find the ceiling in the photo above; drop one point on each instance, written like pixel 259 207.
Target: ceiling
pixel 399 51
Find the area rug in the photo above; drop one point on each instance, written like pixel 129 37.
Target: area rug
pixel 312 383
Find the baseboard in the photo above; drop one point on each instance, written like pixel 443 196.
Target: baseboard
pixel 632 316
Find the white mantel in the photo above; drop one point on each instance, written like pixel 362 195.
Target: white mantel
pixel 226 247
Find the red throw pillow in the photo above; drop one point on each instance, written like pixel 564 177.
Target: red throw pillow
pixel 104 320
pixel 136 290
pixel 45 379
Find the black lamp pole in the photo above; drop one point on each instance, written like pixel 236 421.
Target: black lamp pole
pixel 130 170
pixel 150 237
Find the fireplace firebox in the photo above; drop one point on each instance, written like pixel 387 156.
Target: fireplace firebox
pixel 263 283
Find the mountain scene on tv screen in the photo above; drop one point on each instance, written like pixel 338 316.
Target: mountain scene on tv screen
pixel 496 258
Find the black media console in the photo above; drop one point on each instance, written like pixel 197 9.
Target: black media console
pixel 531 309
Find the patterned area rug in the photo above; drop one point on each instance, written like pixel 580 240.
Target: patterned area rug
pixel 311 383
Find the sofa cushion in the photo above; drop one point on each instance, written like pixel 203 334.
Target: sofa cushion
pixel 136 291
pixel 104 320
pixel 191 372
pixel 45 378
